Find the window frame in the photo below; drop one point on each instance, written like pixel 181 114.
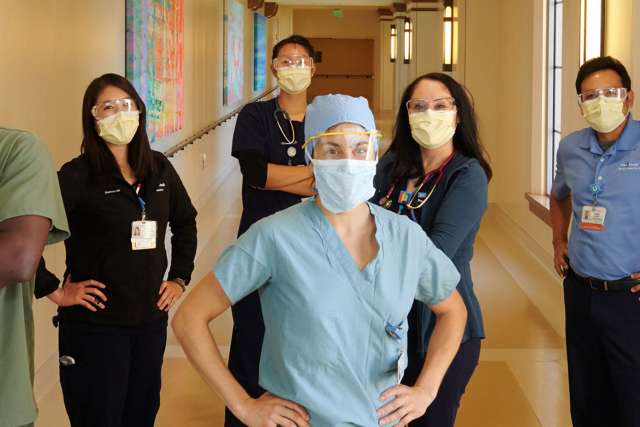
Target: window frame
pixel 555 9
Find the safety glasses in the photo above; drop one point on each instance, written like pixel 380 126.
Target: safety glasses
pixel 292 61
pixel 344 145
pixel 113 106
pixel 609 93
pixel 436 104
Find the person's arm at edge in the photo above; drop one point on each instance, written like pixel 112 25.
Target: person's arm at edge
pixel 22 241
pixel 560 211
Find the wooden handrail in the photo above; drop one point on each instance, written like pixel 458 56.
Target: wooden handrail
pixel 186 142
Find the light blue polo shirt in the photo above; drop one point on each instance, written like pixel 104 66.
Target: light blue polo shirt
pixel 325 345
pixel 613 253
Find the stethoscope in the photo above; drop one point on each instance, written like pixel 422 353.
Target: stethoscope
pixel 289 143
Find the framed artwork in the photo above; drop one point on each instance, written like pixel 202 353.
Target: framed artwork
pixel 155 61
pixel 233 73
pixel 259 52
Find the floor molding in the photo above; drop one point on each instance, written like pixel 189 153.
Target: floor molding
pixel 544 288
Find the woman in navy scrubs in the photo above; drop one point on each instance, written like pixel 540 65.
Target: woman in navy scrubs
pixel 267 141
pixel 436 173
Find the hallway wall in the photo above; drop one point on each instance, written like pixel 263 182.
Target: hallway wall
pixel 501 73
pixel 357 23
pixel 52 49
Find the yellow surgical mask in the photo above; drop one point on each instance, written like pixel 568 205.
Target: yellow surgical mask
pixel 604 114
pixel 294 80
pixel 120 128
pixel 432 129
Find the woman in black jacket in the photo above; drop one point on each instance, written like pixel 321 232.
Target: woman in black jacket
pixel 119 196
pixel 436 173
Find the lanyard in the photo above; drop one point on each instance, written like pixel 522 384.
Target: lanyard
pixel 596 190
pixel 386 201
pixel 141 202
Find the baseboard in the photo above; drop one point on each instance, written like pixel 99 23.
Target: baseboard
pixel 541 285
pixel 540 254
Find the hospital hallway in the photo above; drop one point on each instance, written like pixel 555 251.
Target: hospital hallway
pixel 196 66
pixel 521 378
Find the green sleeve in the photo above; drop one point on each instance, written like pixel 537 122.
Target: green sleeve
pixel 28 182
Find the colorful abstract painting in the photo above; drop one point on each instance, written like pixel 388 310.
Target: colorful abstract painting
pixel 259 52
pixel 155 59
pixel 234 52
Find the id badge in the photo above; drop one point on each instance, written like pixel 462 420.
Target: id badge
pixel 143 235
pixel 402 365
pixel 592 218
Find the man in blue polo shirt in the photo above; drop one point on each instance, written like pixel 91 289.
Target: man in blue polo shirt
pixel 597 184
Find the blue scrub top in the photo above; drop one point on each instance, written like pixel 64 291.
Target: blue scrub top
pixel 610 254
pixel 325 345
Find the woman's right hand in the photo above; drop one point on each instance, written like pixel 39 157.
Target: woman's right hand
pixel 271 411
pixel 86 294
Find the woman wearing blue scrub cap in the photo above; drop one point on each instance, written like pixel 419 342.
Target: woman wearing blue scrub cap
pixel 336 277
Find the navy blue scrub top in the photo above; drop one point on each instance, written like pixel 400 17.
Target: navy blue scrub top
pixel 451 218
pixel 257 132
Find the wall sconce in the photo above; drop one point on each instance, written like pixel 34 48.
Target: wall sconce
pixel 408 42
pixel 592 24
pixel 448 37
pixel 393 37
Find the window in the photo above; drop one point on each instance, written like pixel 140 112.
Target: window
pixel 554 85
pixel 592 22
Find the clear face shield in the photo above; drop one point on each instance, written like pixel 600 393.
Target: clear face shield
pixel 344 142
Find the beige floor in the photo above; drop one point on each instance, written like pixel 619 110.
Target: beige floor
pixel 520 381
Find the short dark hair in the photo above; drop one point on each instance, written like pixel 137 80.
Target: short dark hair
pixel 100 158
pixel 294 39
pixel 599 64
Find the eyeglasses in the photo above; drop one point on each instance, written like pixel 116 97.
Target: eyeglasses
pixel 611 93
pixel 344 145
pixel 113 106
pixel 292 61
pixel 436 104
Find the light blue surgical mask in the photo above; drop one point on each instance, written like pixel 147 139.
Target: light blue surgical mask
pixel 344 183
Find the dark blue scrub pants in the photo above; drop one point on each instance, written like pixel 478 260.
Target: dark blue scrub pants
pixel 115 381
pixel 603 352
pixel 246 347
pixel 442 412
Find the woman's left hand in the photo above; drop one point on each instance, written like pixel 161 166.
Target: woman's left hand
pixel 409 403
pixel 169 294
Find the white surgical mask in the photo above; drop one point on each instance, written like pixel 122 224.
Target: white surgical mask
pixel 432 129
pixel 345 183
pixel 294 80
pixel 120 128
pixel 604 114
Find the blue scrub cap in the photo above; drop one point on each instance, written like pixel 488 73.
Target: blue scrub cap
pixel 327 111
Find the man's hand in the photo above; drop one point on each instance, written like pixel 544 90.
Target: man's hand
pixel 636 288
pixel 560 258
